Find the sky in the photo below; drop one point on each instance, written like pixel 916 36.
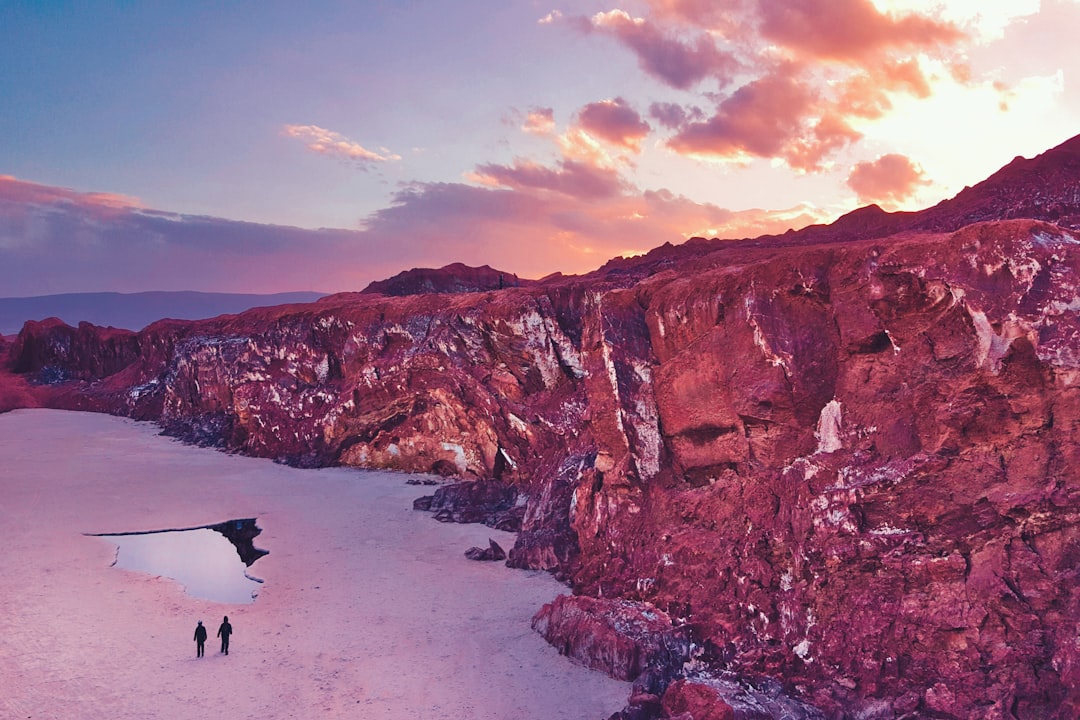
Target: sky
pixel 276 146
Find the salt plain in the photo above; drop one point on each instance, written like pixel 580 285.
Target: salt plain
pixel 368 609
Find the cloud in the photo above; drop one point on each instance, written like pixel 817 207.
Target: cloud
pixel 677 62
pixel 761 118
pixel 673 116
pixel 797 81
pixel 723 18
pixel 327 142
pixel 95 204
pixel 849 30
pixel 889 180
pixel 615 122
pixel 534 233
pixel 571 178
pixel 539 121
pixel 529 219
pixel 55 240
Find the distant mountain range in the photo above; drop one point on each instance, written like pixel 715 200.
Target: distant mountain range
pixel 134 311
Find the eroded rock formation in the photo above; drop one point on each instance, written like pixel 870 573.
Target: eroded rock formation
pixel 490 502
pixel 620 637
pixel 844 459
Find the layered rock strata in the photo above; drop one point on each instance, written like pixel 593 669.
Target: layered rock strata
pixel 848 464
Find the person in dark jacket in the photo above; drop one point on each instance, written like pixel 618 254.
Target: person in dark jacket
pixel 224 632
pixel 200 639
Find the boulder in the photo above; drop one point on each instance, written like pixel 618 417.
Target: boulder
pixel 619 637
pixel 729 697
pixel 490 502
pixel 492 552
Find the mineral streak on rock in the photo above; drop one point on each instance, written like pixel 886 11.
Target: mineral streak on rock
pixel 844 457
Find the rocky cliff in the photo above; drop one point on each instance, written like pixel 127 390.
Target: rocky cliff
pixel 842 463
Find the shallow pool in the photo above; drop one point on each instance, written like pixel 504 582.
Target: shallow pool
pixel 202 560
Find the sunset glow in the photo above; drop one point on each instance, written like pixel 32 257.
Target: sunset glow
pixel 264 148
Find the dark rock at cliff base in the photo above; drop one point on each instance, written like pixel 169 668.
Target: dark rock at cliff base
pixel 242 533
pixel 729 697
pixel 493 552
pixel 421 480
pixel 545 549
pixel 490 502
pixel 619 637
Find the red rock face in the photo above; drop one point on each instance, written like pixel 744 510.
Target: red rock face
pixel 846 463
pixel 869 457
pixel 621 638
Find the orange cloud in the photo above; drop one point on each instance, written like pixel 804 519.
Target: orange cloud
pixel 531 220
pixel 529 230
pixel 571 178
pixel 889 180
pixel 327 142
pixel 807 72
pixel 725 18
pixel 539 121
pixel 826 135
pixel 95 204
pixel 615 122
pixel 760 118
pixel 848 30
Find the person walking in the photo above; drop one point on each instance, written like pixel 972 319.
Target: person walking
pixel 224 632
pixel 200 639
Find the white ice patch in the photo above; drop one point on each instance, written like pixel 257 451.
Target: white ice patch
pixel 992 346
pixel 828 428
pixel 646 422
pixel 550 348
pixel 139 390
pixel 774 358
pixel 1025 272
pixel 459 455
pixel 985 335
pixel 502 451
pixel 892 341
pixel 1059 307
pixel 517 423
pixel 1042 238
pixel 887 530
pixel 802 649
pixel 609 365
pixel 787 581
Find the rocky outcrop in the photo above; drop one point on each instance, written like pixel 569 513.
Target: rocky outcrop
pixel 843 461
pixel 492 553
pixel 454 278
pixel 85 352
pixel 620 637
pixel 242 533
pixel 490 502
pixel 733 698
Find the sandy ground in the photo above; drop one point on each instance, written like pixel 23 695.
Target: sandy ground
pixel 368 610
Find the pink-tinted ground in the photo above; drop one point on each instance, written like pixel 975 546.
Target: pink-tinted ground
pixel 369 609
